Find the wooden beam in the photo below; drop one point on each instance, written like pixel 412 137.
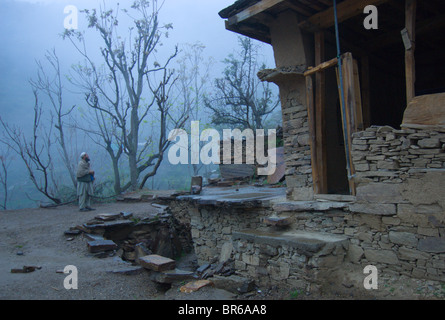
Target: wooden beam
pixel 320 114
pixel 253 10
pixel 410 65
pixel 345 10
pixel 321 67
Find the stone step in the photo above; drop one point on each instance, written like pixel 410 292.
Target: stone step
pixel 305 241
pixel 157 263
pixel 101 245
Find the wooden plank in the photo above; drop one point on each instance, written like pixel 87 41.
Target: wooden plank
pixel 312 140
pixel 365 91
pixel 320 117
pixel 345 10
pixel 358 98
pixel 321 67
pixel 410 65
pixel 348 122
pixel 253 10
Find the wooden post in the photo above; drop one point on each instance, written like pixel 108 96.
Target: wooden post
pixel 366 94
pixel 320 117
pixel 349 111
pixel 410 66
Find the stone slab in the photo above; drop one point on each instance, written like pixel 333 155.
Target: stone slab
pixel 108 216
pixel 195 286
pixel 298 206
pixel 157 263
pixel 101 245
pixel 171 276
pixel 305 241
pixel 277 221
pixel 432 244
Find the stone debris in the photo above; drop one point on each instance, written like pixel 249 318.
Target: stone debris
pixel 108 216
pixel 234 283
pixel 26 269
pixel 157 263
pixel 101 245
pixel 195 286
pixel 72 232
pixel 130 270
pixel 171 276
pixel 126 215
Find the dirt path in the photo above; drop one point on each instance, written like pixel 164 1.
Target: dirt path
pixel 35 237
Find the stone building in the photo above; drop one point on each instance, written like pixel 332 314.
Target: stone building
pixel 364 142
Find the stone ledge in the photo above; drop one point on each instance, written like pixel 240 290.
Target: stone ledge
pixel 308 242
pixel 299 206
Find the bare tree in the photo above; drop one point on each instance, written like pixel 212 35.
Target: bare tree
pixel 51 86
pixel 5 161
pixel 35 152
pixel 193 80
pixel 241 99
pixel 118 92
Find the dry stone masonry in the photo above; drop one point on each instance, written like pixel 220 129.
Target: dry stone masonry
pixel 396 222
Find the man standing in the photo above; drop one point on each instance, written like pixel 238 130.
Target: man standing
pixel 85 177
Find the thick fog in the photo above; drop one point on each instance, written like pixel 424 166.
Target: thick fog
pixel 29 29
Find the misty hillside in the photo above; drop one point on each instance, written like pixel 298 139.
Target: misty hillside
pixel 31 31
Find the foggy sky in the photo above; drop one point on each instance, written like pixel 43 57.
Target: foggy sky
pixel 28 28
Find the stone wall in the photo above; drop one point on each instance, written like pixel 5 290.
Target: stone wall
pixel 297 153
pixel 398 218
pixel 211 227
pixel 396 222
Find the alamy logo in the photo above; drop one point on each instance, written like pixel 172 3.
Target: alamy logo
pixel 371 280
pixel 71 21
pixel 70 281
pixel 210 152
pixel 372 20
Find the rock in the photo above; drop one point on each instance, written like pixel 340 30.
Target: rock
pixel 226 251
pixel 126 215
pixel 195 285
pixel 412 254
pixel 157 263
pixel 108 216
pixel 141 251
pixel 277 221
pixel 203 268
pixel 429 143
pixel 234 283
pixel 382 256
pixel 379 193
pixel 93 237
pixel 432 244
pixel 403 238
pixel 374 208
pixel 72 232
pixel 26 269
pixel 171 276
pixel 130 270
pixel 101 245
pixel 355 253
